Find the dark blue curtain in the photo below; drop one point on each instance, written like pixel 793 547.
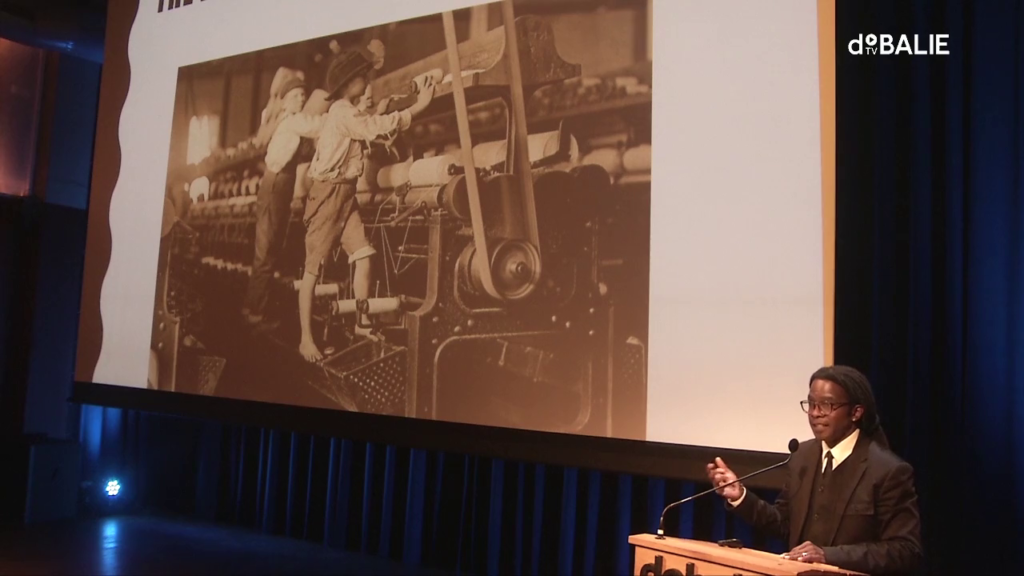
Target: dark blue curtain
pixel 466 514
pixel 930 260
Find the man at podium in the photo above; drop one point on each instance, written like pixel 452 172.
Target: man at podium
pixel 848 501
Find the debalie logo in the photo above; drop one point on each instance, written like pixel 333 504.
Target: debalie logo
pixel 912 44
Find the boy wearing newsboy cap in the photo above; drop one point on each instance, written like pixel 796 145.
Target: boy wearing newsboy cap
pixel 331 209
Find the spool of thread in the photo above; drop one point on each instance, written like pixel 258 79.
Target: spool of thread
pixel 432 171
pixel 541 146
pixel 637 159
pixel 374 305
pixel 393 176
pixel 320 289
pixel 489 153
pixel 608 158
pixel 546 144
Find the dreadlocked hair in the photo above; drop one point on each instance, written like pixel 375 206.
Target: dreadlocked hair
pixel 858 388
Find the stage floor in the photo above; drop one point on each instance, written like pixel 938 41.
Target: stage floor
pixel 144 545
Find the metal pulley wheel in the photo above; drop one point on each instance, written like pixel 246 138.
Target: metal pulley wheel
pixel 515 268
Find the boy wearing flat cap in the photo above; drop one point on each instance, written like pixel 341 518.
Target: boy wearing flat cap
pixel 331 211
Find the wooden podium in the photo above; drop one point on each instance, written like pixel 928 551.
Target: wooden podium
pixel 681 557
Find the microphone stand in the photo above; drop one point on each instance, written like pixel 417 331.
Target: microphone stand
pixel 661 522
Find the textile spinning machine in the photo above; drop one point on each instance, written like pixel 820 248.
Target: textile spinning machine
pixel 494 291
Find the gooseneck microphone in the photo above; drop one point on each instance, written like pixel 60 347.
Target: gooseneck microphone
pixel 793 445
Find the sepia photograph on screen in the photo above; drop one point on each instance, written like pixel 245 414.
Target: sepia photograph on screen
pixel 438 218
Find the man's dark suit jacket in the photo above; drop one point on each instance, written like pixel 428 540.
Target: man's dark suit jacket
pixel 876 528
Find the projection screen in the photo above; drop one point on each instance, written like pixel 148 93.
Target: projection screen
pixel 601 218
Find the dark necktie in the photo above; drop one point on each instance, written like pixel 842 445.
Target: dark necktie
pixel 828 466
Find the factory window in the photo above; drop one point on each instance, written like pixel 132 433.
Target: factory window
pixel 199 189
pixel 203 132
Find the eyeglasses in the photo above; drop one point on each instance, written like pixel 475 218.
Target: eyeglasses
pixel 825 408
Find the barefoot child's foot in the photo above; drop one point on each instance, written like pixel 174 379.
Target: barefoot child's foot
pixel 309 351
